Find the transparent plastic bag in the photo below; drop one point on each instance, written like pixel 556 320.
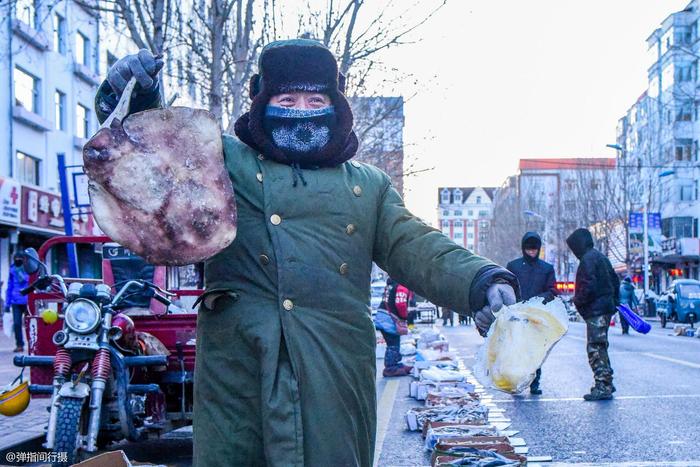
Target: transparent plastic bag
pixel 518 343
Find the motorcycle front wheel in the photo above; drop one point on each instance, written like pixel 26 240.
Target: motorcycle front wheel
pixel 67 431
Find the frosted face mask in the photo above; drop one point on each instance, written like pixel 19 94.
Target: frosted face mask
pixel 300 133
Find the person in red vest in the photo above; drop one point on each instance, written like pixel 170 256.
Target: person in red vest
pixel 390 320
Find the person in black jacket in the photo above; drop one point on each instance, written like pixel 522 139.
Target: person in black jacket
pixel 536 279
pixel 596 298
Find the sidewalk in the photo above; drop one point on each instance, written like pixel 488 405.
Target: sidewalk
pixel 30 423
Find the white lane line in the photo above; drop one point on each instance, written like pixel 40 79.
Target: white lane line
pixel 580 399
pixel 673 360
pixel 384 409
pixel 628 464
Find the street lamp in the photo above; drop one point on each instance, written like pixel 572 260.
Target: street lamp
pixel 645 221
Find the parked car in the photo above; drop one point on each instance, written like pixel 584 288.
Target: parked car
pixel 376 294
pixel 680 302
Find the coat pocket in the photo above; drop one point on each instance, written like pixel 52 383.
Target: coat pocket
pixel 208 300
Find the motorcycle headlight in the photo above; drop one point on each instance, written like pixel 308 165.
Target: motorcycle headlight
pixel 82 316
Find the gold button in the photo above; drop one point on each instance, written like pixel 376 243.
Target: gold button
pixel 288 305
pixel 344 268
pixel 261 157
pixel 350 229
pixel 264 259
pixel 355 164
pixel 275 219
pixel 259 177
pixel 357 190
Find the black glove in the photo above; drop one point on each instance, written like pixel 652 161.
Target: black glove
pixel 143 66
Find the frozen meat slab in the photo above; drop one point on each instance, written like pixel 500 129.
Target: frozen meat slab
pixel 159 186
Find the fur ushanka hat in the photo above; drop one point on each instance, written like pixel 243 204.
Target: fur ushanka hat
pixel 298 65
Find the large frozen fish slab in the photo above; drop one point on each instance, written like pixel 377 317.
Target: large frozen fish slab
pixel 518 344
pixel 159 186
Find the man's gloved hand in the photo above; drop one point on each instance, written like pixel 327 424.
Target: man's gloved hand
pixel 143 66
pixel 497 295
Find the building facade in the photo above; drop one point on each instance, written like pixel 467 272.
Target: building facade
pixel 55 54
pixel 464 215
pixel 658 141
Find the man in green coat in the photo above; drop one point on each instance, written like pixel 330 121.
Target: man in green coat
pixel 285 366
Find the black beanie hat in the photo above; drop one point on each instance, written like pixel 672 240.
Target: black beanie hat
pixel 298 65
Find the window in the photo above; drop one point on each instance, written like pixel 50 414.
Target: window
pixel 687 192
pixel 445 225
pixel 26 12
pixel 478 200
pixel 470 213
pixel 458 213
pixel 570 184
pixel 445 213
pixel 458 196
pixel 678 227
pixel 685 112
pixel 444 196
pixel 28 168
pixel 82 122
pixel 82 49
pixel 684 73
pixel 458 224
pixel 26 90
pixel 60 104
pixel 59 34
pixel 458 235
pixel 684 150
pixel 470 235
pixel 470 246
pixel 483 213
pixel 470 223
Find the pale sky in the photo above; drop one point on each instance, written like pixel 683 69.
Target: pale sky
pixel 501 80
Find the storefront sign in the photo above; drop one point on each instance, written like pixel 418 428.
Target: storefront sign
pixel 9 201
pixel 41 210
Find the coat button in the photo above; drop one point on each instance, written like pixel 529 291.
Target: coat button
pixel 264 259
pixel 275 219
pixel 288 305
pixel 357 190
pixel 344 268
pixel 355 164
pixel 261 157
pixel 350 229
pixel 259 177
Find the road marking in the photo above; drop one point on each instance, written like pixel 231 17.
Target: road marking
pixel 673 360
pixel 580 399
pixel 628 464
pixel 384 409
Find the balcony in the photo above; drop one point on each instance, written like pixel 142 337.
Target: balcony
pixel 31 119
pixel 85 74
pixel 35 38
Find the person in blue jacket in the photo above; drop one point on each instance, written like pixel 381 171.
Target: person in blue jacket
pixel 629 298
pixel 536 279
pixel 14 300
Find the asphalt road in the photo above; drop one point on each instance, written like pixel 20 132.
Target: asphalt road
pixel 653 420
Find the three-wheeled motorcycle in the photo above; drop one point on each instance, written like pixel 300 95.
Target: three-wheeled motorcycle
pixel 115 354
pixel 680 302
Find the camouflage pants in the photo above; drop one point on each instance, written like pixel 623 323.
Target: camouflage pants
pixel 597 347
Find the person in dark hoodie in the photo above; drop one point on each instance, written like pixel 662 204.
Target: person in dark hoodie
pixel 596 298
pixel 536 279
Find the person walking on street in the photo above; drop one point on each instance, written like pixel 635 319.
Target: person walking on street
pixel 536 278
pixel 629 298
pixel 286 360
pixel 447 315
pixel 390 320
pixel 596 298
pixel 15 301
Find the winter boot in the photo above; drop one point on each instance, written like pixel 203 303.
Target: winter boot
pixel 535 390
pixel 599 392
pixel 401 370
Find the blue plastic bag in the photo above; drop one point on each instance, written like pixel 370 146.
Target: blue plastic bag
pixel 637 323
